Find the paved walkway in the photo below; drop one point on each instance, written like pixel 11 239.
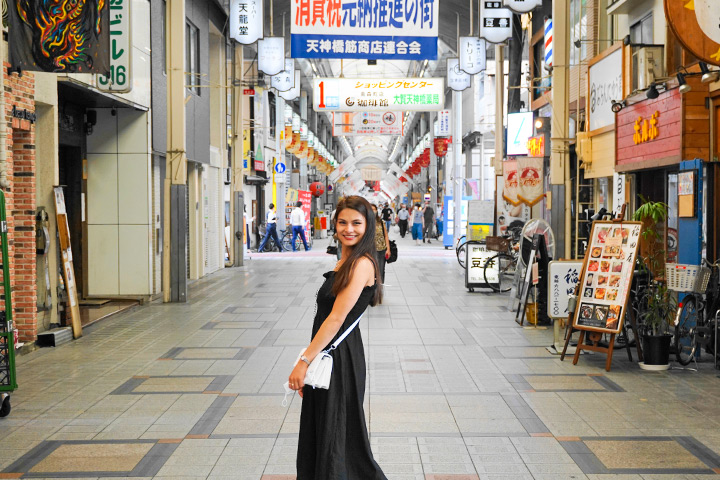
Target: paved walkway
pixel 456 389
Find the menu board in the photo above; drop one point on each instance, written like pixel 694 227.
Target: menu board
pixel 607 275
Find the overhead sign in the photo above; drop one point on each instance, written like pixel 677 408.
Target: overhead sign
pixel 367 123
pixel 246 20
pixel 271 55
pixel 456 78
pixel 284 80
pixel 605 81
pixel 378 95
pixel 696 24
pixel 120 78
pixel 495 21
pixel 473 58
pixel 443 124
pixel 522 6
pixel 372 29
pixel 536 146
pixel 292 94
pixel 519 130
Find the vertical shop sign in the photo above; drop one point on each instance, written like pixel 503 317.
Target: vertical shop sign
pixel 293 93
pixel 443 123
pixel 495 21
pixel 473 58
pixel 618 191
pixel 522 6
pixel 271 55
pixel 563 276
pixel 120 78
pixel 284 80
pixel 456 78
pixel 606 86
pixel 246 20
pixel 306 198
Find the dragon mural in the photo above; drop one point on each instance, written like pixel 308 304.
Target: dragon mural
pixel 68 36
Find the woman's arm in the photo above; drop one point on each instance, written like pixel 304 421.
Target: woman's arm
pixel 387 242
pixel 363 275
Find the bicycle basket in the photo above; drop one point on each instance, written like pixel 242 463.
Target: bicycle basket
pixel 497 244
pixel 686 278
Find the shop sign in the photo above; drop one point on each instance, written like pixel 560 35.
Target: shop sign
pixel 510 182
pixel 293 92
pixel 646 130
pixel 259 165
pixel 271 55
pixel 473 58
pixel 120 78
pixel 456 78
pixel 606 85
pixel 519 130
pixel 522 6
pixel 443 123
pixel 536 146
pixel 618 191
pixel 378 94
pixel 563 276
pixel 248 91
pixel 478 256
pixel 495 21
pixel 22 119
pixel 284 80
pixel 367 123
pixel 368 29
pixel 530 180
pixel 696 24
pixel 246 20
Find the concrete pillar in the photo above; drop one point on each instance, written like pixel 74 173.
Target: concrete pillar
pixel 237 219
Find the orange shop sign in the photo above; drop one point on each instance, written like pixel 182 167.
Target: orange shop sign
pixel 536 146
pixel 646 129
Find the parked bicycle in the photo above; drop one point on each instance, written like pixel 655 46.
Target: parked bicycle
pixel 286 240
pixel 697 313
pixel 504 263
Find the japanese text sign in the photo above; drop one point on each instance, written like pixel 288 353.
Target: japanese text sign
pixel 495 21
pixel 372 29
pixel 284 80
pixel 472 55
pixel 522 6
pixel 443 123
pixel 606 85
pixel 536 146
pixel 457 79
pixel 378 95
pixel 292 94
pixel 120 78
pixel 271 55
pixel 563 276
pixel 246 20
pixel 646 129
pixel 367 123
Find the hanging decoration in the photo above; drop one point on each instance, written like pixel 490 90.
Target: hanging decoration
pixel 317 189
pixel 440 145
pixel 530 180
pixel 510 182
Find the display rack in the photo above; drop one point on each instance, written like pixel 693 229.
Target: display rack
pixel 8 381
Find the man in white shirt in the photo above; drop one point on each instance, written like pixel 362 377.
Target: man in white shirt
pixel 270 229
pixel 402 220
pixel 297 220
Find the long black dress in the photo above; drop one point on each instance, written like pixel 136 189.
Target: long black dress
pixel 333 442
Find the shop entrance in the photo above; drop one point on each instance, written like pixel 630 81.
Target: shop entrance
pixel 70 177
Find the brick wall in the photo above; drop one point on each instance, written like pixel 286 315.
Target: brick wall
pixel 20 202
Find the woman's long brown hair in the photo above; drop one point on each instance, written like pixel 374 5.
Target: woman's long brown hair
pixel 365 248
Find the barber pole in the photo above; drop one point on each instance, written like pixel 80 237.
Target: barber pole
pixel 548 42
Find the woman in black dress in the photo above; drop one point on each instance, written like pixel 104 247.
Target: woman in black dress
pixel 333 442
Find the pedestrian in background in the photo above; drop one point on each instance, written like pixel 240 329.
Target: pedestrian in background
pixel 439 222
pixel 402 220
pixel 428 221
pixel 417 223
pixel 270 229
pixel 382 243
pixel 387 215
pixel 297 220
pixel 333 441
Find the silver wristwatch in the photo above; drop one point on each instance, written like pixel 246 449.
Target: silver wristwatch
pixel 304 359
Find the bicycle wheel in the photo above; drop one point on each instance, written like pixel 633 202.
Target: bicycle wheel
pixel 685 344
pixel 460 253
pixel 499 272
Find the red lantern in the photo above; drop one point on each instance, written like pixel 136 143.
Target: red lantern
pixel 403 179
pixel 441 146
pixel 409 173
pixel 317 189
pixel 425 158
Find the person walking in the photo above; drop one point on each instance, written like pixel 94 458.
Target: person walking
pixel 333 440
pixel 417 226
pixel 270 229
pixel 297 220
pixel 402 220
pixel 387 215
pixel 428 221
pixel 382 243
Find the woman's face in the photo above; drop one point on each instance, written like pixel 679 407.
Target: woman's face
pixel 351 226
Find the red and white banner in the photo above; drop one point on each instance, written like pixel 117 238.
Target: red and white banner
pixel 510 182
pixel 530 180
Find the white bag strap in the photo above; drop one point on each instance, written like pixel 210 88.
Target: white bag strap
pixel 347 332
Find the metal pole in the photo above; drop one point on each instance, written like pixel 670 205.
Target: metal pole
pixel 499 104
pixel 174 251
pixel 238 218
pixel 458 180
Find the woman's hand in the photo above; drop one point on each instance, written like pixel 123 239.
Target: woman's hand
pixel 387 253
pixel 297 377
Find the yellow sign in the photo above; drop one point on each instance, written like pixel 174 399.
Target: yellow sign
pixel 536 146
pixel 646 130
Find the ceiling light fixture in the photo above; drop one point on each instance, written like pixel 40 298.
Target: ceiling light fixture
pixel 617 106
pixel 652 92
pixel 684 87
pixel 708 76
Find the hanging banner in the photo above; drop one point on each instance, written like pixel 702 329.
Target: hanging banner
pixel 120 78
pixel 510 182
pixel 271 55
pixel 72 38
pixel 293 93
pixel 378 94
pixel 696 24
pixel 495 21
pixel 284 80
pixel 246 20
pixel 368 29
pixel 530 180
pixel 473 58
pixel 522 6
pixel 443 123
pixel 456 78
pixel 343 169
pixel 367 123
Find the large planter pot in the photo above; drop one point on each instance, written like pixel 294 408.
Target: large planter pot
pixel 656 349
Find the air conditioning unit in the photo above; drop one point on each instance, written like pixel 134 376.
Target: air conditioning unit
pixel 648 66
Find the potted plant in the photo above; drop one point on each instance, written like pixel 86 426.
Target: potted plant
pixel 660 305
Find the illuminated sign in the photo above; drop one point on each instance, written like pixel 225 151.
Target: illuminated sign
pixel 519 129
pixel 378 94
pixel 536 146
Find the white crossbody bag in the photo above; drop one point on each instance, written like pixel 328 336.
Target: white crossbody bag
pixel 320 370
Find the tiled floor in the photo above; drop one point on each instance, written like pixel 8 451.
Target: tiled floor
pixel 456 389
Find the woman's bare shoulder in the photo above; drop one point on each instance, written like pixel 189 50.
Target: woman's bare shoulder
pixel 365 268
